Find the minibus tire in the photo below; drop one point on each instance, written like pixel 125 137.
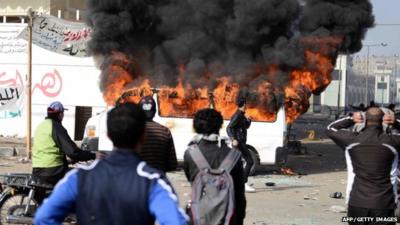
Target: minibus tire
pixel 256 159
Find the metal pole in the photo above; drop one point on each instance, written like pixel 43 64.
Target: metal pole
pixel 395 77
pixel 366 78
pixel 29 88
pixel 340 84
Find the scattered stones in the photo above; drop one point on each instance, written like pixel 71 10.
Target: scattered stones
pixel 24 160
pixel 337 195
pixel 338 209
pixel 270 184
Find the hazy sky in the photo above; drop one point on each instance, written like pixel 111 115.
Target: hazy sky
pixel 386 12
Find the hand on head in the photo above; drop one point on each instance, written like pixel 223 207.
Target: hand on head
pixel 358 117
pixel 389 118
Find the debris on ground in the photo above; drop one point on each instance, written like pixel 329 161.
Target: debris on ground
pixel 307 197
pixel 312 195
pixel 270 184
pixel 338 209
pixel 24 160
pixel 287 171
pixel 260 223
pixel 338 195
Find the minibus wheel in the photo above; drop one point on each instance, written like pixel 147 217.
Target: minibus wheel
pixel 255 157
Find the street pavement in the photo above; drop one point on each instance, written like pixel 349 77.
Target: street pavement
pixel 301 199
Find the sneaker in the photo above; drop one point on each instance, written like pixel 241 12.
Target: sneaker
pixel 248 188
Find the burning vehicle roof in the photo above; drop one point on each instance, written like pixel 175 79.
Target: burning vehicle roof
pixel 274 52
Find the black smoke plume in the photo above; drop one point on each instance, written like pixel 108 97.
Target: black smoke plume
pixel 241 39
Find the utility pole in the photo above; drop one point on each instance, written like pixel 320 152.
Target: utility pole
pixel 340 85
pixel 28 88
pixel 383 44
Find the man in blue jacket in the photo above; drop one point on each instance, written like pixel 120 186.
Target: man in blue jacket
pixel 120 189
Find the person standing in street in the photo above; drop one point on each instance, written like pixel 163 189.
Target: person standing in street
pixel 215 151
pixel 119 189
pixel 372 159
pixel 158 148
pixel 237 131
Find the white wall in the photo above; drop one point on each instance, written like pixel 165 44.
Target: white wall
pixel 55 77
pixel 20 7
pixel 330 96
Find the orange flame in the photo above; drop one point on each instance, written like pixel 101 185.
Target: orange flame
pixel 183 100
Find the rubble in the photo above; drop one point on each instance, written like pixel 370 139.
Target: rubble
pixel 338 209
pixel 337 195
pixel 270 184
pixel 287 171
pixel 7 151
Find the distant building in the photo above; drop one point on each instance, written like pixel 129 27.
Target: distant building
pixel 385 85
pixel 398 91
pixel 381 84
pixel 328 101
pixel 15 11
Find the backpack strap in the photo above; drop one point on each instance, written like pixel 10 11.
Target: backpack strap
pixel 198 157
pixel 230 160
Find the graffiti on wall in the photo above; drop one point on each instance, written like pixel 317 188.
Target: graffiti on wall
pixel 57 35
pixel 49 85
pixel 9 44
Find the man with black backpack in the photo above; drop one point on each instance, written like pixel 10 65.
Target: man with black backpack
pixel 216 174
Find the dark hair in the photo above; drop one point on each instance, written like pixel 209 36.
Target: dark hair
pixel 374 116
pixel 207 121
pixel 241 101
pixel 392 107
pixel 148 105
pixel 125 125
pixel 53 115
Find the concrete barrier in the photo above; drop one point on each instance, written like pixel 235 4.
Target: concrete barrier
pixel 7 151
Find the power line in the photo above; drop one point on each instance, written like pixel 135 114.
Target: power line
pixel 387 24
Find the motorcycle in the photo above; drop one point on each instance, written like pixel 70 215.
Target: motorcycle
pixel 17 199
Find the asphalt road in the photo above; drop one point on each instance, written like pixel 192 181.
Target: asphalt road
pixel 298 199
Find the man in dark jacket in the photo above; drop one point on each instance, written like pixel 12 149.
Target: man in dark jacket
pixel 207 123
pixel 237 131
pixel 51 145
pixel 372 159
pixel 158 148
pixel 119 189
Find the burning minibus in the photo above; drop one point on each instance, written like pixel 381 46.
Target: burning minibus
pixel 266 137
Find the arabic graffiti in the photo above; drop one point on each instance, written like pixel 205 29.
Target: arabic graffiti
pixel 11 82
pixel 50 84
pixel 77 35
pixel 10 115
pixel 11 99
pixel 8 93
pixel 60 36
pixel 9 44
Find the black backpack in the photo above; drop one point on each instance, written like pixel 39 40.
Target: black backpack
pixel 213 194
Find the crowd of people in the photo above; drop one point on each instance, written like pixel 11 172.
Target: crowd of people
pixel 129 185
